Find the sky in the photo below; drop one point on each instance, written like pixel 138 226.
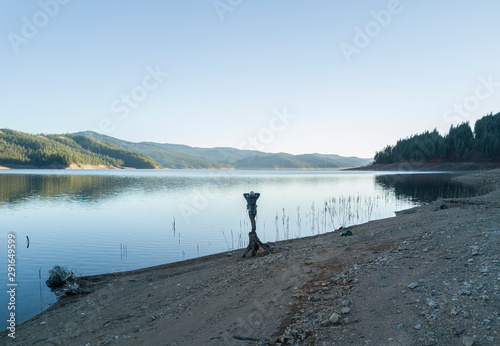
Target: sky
pixel 295 76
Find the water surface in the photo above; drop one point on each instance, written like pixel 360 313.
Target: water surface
pixel 95 221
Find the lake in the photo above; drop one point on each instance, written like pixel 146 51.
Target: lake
pixel 100 221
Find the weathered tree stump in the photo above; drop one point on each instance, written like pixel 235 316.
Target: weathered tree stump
pixel 63 282
pixel 254 244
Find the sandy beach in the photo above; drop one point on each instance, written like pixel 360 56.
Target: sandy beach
pixel 429 276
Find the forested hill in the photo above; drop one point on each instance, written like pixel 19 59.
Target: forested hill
pixel 183 156
pixel 167 157
pixel 23 149
pixel 461 144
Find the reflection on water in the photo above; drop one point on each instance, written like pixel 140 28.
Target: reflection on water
pixel 106 221
pixel 426 187
pixel 16 188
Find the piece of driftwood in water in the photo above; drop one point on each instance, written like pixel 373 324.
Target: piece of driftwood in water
pixel 254 244
pixel 62 282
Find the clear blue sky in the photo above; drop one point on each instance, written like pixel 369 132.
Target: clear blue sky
pixel 347 77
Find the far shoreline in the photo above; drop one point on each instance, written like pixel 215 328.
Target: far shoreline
pixel 429 166
pixel 403 167
pixel 62 167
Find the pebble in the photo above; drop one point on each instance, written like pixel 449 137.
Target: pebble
pixel 334 318
pixel 413 285
pixel 324 323
pixel 468 340
pixel 418 326
pixel 345 310
pixel 432 303
pixel 398 326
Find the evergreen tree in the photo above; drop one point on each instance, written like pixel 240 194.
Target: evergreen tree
pixel 460 144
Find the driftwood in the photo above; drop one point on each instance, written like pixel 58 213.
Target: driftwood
pixel 254 244
pixel 62 282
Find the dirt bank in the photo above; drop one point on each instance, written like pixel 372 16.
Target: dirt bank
pixel 430 276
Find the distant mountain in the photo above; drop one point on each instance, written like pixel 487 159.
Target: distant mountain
pixel 287 161
pixel 161 153
pixel 350 161
pixel 184 156
pixel 274 161
pixel 220 154
pixel 23 149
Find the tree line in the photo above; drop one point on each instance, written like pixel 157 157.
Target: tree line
pixel 461 144
pixel 18 148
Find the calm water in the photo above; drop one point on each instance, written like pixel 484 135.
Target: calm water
pixel 106 221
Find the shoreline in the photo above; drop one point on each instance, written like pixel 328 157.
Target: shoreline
pixel 165 303
pixel 77 166
pixel 63 167
pixel 402 167
pixel 101 167
pixel 430 166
